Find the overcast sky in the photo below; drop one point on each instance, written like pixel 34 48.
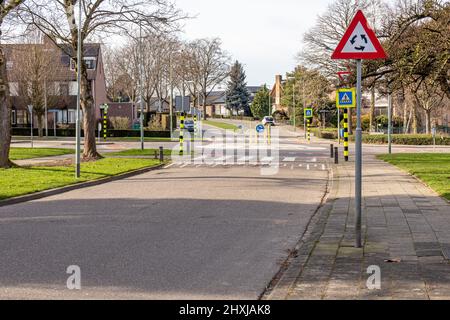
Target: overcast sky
pixel 265 35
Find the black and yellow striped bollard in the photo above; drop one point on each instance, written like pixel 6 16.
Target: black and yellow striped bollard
pixel 308 121
pixel 105 123
pixel 182 116
pixel 195 126
pixel 346 153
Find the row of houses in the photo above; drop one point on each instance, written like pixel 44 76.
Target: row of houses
pixel 61 88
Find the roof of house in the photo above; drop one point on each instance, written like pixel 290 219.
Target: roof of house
pixel 62 70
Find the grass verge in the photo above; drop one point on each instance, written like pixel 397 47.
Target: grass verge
pixel 221 125
pixel 25 180
pixel 431 168
pixel 31 153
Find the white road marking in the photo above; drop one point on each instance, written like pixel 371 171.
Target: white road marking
pixel 307 167
pixel 323 167
pixel 170 165
pixel 267 159
pixel 289 159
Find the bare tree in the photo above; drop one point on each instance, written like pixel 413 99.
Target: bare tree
pixel 207 65
pixel 35 65
pixel 429 97
pixel 101 17
pixel 321 40
pixel 6 8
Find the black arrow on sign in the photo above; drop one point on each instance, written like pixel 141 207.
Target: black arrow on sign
pixel 361 48
pixel 352 41
pixel 363 36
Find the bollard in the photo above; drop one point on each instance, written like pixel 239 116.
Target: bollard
pixel 309 129
pixel 331 151
pixel 336 155
pixel 346 152
pixel 161 154
pixel 182 116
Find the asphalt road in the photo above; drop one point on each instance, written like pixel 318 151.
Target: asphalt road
pixel 190 231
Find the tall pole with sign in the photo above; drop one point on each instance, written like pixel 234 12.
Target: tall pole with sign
pixel 77 115
pixel 359 43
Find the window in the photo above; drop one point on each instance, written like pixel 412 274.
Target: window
pixel 13 117
pixel 71 116
pixel 63 89
pixel 20 117
pixel 89 62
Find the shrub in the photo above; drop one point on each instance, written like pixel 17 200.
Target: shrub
pixel 120 123
pixel 405 139
pixel 328 133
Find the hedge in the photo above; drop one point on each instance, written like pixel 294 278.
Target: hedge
pixel 25 132
pixel 328 133
pixel 405 139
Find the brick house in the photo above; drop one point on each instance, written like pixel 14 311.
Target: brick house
pixel 61 88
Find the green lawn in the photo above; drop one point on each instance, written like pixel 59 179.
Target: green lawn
pixel 20 181
pixel 31 153
pixel 221 125
pixel 431 168
pixel 137 153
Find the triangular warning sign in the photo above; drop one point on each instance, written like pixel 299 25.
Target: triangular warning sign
pixel 359 42
pixel 345 99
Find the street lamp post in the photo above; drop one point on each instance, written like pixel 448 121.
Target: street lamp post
pixel 77 116
pixel 171 96
pixel 141 80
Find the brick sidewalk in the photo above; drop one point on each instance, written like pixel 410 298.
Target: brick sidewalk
pixel 406 230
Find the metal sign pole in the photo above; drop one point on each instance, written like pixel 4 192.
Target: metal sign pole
pixel 358 167
pixel 390 122
pixel 339 125
pixel 78 112
pixel 31 111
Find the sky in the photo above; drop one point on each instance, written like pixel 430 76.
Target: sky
pixel 264 35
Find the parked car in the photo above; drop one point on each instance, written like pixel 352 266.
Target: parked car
pixel 268 121
pixel 189 125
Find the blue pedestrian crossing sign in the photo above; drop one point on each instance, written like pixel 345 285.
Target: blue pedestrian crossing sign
pixel 308 112
pixel 259 128
pixel 346 98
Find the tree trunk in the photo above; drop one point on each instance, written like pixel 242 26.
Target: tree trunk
pixel 40 123
pixel 428 121
pixel 372 108
pixel 204 105
pixel 414 117
pixel 5 117
pixel 89 119
pixel 405 118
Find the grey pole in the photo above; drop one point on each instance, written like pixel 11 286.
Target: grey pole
pixel 141 80
pixel 31 115
pixel 171 96
pixel 54 123
pixel 304 106
pixel 45 109
pixel 390 122
pixel 358 155
pixel 339 125
pixel 77 116
pixel 293 104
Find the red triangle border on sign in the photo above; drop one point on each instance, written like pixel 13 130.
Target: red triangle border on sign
pixel 359 18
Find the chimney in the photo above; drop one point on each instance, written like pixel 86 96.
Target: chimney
pixel 278 79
